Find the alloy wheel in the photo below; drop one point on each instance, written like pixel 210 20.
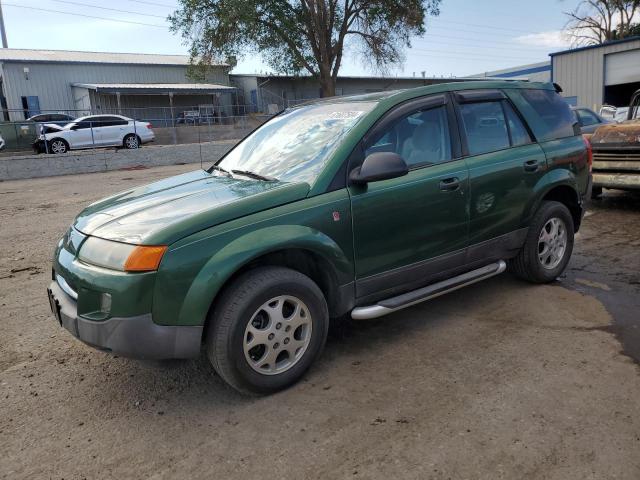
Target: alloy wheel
pixel 277 335
pixel 58 146
pixel 131 142
pixel 552 243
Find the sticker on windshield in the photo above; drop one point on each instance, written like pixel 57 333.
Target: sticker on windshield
pixel 345 115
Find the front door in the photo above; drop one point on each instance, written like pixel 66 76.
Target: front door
pixel 408 230
pixel 82 134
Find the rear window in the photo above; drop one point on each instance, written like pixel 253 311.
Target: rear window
pixel 549 116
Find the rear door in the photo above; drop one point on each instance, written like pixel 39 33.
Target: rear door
pixel 504 166
pixel 410 229
pixel 113 131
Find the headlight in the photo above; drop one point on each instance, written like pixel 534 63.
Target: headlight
pixel 121 256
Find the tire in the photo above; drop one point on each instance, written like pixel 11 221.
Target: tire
pixel 58 146
pixel 257 307
pixel 131 141
pixel 596 192
pixel 535 264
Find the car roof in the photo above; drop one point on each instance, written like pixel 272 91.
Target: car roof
pixel 387 99
pixel 102 115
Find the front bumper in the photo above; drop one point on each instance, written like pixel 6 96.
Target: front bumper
pixel 137 337
pixel 619 180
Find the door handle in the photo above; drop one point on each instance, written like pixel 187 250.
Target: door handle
pixel 450 184
pixel 531 166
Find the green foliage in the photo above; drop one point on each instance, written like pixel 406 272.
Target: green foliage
pixel 301 35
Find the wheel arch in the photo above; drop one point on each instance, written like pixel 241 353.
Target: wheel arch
pixel 300 248
pixel 560 186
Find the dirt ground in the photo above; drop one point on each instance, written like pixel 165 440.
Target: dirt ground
pixel 499 380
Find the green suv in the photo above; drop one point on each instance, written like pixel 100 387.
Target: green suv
pixel 355 206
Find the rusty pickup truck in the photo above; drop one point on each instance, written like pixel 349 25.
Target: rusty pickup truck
pixel 616 152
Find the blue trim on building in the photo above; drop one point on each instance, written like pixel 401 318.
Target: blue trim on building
pixel 526 71
pixel 600 45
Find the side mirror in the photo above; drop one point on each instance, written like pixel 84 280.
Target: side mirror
pixel 379 166
pixel 75 126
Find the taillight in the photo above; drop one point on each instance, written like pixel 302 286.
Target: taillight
pixel 149 126
pixel 587 144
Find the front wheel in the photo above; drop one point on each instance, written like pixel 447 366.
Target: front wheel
pixel 266 330
pixel 548 246
pixel 57 145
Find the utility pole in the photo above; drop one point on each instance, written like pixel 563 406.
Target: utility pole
pixel 4 32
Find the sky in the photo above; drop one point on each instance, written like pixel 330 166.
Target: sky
pixel 469 37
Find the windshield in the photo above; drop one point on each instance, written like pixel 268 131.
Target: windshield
pixel 296 144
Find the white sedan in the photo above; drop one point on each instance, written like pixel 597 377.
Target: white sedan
pixel 94 131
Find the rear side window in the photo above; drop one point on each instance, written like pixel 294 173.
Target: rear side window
pixel 551 117
pixel 485 126
pixel 519 133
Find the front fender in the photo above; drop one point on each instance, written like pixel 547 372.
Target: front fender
pixel 217 271
pixel 195 268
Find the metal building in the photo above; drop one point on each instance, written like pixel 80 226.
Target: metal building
pixel 35 81
pixel 272 92
pixel 534 72
pixel 599 74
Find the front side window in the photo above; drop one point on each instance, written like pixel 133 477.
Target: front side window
pixel 420 138
pixel 295 145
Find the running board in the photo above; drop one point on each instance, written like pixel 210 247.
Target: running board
pixel 393 304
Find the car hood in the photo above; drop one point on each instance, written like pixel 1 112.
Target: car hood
pixel 625 134
pixel 163 212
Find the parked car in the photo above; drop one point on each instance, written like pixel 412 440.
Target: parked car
pixel 351 205
pixel 94 131
pixel 55 118
pixel 589 120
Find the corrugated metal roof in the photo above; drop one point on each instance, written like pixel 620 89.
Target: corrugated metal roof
pixel 28 55
pixel 598 45
pixel 154 87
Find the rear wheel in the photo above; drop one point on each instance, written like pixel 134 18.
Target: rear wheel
pixel 58 145
pixel 131 141
pixel 548 246
pixel 267 329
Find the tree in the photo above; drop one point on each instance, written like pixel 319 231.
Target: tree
pixel 599 21
pixel 294 36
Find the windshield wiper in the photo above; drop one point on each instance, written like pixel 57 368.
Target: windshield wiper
pixel 255 175
pixel 220 169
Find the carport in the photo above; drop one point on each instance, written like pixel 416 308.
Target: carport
pixel 153 101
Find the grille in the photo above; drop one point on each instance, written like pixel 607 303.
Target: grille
pixel 616 161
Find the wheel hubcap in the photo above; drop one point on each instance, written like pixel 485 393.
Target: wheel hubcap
pixel 552 243
pixel 58 147
pixel 132 142
pixel 277 335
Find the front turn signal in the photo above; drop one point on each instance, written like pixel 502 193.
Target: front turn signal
pixel 144 258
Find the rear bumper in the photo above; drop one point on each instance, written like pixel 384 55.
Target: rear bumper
pixel 137 337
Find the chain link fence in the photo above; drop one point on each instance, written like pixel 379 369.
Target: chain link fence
pixel 170 126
